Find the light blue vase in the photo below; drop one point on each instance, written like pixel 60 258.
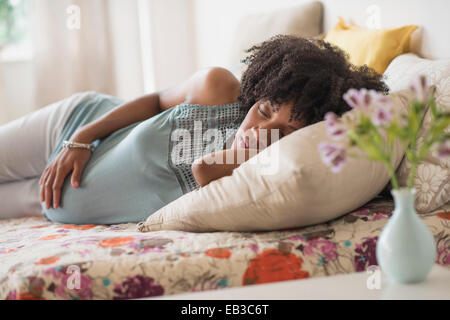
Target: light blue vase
pixel 406 250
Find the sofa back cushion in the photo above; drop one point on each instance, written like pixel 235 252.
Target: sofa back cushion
pixel 432 181
pixel 301 20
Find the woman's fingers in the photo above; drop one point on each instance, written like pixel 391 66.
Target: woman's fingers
pixel 57 185
pixel 43 175
pixel 48 188
pixel 76 175
pixel 53 177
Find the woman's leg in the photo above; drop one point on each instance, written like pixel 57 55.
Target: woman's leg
pixel 20 198
pixel 26 143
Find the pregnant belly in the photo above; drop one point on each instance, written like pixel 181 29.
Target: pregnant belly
pixel 121 183
pixel 113 189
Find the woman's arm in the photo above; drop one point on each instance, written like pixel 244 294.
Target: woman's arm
pixel 208 86
pixel 136 110
pixel 211 86
pixel 219 164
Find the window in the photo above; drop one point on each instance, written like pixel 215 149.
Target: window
pixel 15 42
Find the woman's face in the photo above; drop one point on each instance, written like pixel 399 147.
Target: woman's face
pixel 262 126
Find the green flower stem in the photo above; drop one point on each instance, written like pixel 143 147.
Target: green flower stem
pixel 412 174
pixel 419 156
pixel 391 170
pixel 412 156
pixel 386 158
pixel 377 135
pixel 380 156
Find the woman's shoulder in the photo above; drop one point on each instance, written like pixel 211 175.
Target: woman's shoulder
pixel 216 86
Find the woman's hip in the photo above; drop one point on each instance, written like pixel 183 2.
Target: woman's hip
pixel 26 143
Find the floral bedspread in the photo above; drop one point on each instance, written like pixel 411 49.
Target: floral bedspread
pixel 44 260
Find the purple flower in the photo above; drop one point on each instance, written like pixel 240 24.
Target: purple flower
pixel 322 246
pixel 443 251
pixel 138 287
pixel 334 125
pixel 366 254
pixel 362 99
pixel 12 295
pixel 358 99
pixel 333 155
pixel 80 289
pixel 380 100
pixel 381 116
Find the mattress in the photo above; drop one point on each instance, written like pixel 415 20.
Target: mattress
pixel 40 259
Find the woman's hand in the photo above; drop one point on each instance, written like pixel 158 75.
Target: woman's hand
pixel 53 177
pixel 219 164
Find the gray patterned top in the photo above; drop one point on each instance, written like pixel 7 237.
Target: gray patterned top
pixel 198 130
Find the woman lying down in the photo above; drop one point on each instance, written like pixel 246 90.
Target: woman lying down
pixel 92 159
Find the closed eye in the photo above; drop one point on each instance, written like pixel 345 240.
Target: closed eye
pixel 262 112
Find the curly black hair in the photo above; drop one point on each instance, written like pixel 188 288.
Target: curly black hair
pixel 311 72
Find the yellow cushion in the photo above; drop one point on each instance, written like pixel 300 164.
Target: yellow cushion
pixel 376 48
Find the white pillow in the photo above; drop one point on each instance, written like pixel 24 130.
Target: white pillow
pixel 299 191
pixel 432 181
pixel 301 20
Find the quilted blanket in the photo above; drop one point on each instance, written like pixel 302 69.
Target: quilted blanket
pixel 40 259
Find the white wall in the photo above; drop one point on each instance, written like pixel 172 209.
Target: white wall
pixel 17 81
pixel 124 26
pixel 187 35
pixel 216 23
pixel 173 41
pixel 16 89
